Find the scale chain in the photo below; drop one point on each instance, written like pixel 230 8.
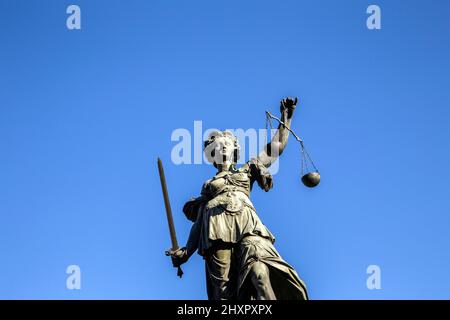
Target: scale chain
pixel 304 152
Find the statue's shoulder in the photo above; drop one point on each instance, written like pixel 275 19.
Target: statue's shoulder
pixel 206 183
pixel 206 187
pixel 245 168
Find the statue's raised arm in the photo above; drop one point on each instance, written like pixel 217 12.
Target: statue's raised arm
pixel 278 142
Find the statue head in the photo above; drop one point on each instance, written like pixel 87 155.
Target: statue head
pixel 221 147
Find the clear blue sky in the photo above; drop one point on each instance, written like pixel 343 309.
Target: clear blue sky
pixel 84 115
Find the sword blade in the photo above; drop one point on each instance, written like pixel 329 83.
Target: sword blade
pixel 173 235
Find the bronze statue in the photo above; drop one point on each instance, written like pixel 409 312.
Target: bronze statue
pixel 241 260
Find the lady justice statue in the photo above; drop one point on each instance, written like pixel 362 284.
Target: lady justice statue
pixel 241 260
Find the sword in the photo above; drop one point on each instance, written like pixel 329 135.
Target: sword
pixel 173 235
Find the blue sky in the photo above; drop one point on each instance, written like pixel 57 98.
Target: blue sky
pixel 85 113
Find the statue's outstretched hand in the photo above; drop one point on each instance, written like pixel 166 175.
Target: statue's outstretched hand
pixel 179 256
pixel 289 104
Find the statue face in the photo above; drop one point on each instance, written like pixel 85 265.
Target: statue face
pixel 223 149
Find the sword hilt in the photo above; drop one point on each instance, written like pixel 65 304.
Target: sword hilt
pixel 179 271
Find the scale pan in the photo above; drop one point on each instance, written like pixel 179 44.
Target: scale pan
pixel 311 179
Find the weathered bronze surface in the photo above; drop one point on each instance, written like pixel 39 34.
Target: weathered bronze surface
pixel 311 179
pixel 241 261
